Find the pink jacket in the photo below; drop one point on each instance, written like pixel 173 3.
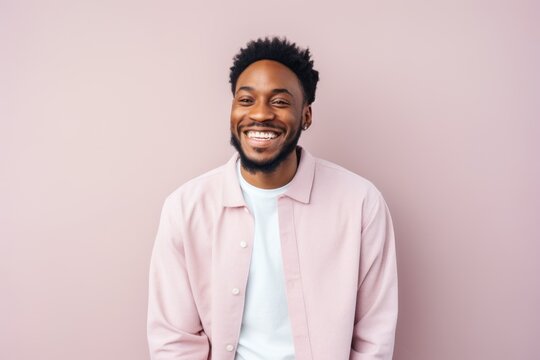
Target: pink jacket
pixel 339 263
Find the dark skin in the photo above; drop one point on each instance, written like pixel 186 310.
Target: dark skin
pixel 268 100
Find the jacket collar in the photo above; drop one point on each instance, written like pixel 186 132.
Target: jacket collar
pixel 299 188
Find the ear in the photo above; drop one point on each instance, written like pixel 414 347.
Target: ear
pixel 306 116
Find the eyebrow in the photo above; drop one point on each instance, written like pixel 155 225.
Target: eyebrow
pixel 274 91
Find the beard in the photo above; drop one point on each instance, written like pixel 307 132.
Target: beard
pixel 268 166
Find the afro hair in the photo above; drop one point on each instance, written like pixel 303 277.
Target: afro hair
pixel 280 50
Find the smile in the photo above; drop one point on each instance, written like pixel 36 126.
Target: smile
pixel 261 135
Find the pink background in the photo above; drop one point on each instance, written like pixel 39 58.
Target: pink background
pixel 107 106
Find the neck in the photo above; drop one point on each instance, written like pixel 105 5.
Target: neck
pixel 281 176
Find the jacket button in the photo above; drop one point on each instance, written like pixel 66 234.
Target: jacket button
pixel 229 347
pixel 243 244
pixel 236 291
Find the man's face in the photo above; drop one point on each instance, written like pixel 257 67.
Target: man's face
pixel 267 115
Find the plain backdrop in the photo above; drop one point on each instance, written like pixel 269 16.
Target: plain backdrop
pixel 107 106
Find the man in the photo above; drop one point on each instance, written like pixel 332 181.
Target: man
pixel 276 254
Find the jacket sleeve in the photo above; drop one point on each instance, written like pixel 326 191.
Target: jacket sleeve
pixel 173 326
pixel 377 298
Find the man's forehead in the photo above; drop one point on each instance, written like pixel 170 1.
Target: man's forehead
pixel 268 72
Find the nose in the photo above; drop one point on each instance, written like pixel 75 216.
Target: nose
pixel 261 111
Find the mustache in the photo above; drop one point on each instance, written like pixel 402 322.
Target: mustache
pixel 265 125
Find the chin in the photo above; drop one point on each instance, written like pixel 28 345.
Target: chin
pixel 265 160
pixel 262 157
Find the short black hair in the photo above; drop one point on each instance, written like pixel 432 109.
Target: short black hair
pixel 280 50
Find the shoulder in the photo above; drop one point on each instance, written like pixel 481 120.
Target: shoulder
pixel 337 187
pixel 331 175
pixel 198 189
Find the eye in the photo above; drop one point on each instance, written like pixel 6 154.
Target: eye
pixel 280 102
pixel 244 101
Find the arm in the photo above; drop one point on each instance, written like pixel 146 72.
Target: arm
pixel 174 327
pixel 377 298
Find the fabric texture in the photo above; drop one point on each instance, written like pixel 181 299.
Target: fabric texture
pixel 339 264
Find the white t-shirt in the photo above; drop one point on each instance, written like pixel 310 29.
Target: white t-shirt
pixel 266 330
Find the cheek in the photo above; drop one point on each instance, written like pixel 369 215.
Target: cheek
pixel 234 119
pixel 294 120
pixel 236 115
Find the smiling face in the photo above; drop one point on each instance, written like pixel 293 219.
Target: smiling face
pixel 267 115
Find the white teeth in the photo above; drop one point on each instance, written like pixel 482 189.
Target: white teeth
pixel 261 135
